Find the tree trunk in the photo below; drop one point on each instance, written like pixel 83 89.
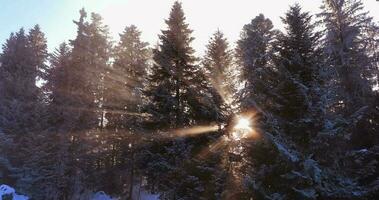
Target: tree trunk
pixel 131 175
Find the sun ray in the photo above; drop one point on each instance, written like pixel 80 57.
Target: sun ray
pixel 216 146
pixel 193 131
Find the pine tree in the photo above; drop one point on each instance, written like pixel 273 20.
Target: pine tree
pixel 171 58
pixel 262 94
pixel 57 140
pixel 75 84
pixel 123 101
pixel 89 63
pixel 18 86
pixel 346 42
pixel 58 85
pixel 80 91
pixel 298 69
pixel 99 54
pixel 125 80
pixel 178 96
pixel 349 38
pixel 38 45
pixel 218 63
pixel 254 53
pixel 32 179
pixel 23 59
pixel 176 78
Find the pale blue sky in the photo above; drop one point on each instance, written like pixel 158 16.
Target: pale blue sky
pixel 204 16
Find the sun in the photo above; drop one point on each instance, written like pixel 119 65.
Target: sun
pixel 243 124
pixel 242 128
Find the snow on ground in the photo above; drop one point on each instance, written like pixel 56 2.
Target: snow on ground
pixel 101 196
pixel 20 197
pixel 7 190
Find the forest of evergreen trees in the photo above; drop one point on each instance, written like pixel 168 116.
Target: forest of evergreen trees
pixel 98 115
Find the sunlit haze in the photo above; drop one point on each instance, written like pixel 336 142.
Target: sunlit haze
pixel 204 17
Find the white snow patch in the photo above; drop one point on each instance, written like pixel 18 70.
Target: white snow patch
pixel 7 190
pixel 20 197
pixel 362 151
pixel 101 196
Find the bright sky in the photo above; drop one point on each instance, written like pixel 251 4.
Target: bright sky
pixel 204 16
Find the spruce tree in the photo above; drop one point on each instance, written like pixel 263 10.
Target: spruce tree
pixel 76 88
pixel 123 102
pixel 176 78
pixel 350 34
pixel 346 43
pixel 38 45
pixel 218 63
pixel 80 91
pixel 22 61
pixel 60 124
pixel 254 53
pixel 125 80
pixel 298 70
pixel 18 84
pixel 179 96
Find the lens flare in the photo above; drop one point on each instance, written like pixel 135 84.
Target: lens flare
pixel 243 124
pixel 243 128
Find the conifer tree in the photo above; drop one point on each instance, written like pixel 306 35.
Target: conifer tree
pixel 80 103
pixel 22 60
pixel 18 80
pixel 123 101
pixel 346 43
pixel 178 88
pixel 99 54
pixel 298 70
pixel 349 38
pixel 38 45
pixel 76 89
pixel 254 53
pixel 60 124
pixel 125 80
pixel 80 91
pixel 218 63
pixel 58 86
pixel 179 96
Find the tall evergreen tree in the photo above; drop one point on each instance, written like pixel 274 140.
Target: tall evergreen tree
pixel 21 110
pixel 76 88
pixel 125 80
pixel 346 44
pixel 218 63
pixel 178 89
pixel 298 66
pixel 349 38
pixel 123 101
pixel 265 78
pixel 80 91
pixel 254 53
pixel 57 185
pixel 179 96
pixel 18 83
